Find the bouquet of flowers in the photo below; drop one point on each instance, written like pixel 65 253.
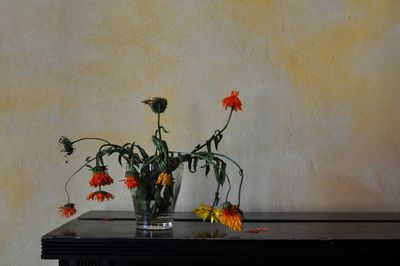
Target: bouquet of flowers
pixel 152 179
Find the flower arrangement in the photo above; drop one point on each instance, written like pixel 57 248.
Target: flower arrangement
pixel 151 178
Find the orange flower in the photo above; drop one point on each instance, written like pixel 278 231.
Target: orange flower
pixel 100 177
pixel 131 181
pixel 67 210
pixel 164 179
pixel 232 217
pixel 99 195
pixel 233 101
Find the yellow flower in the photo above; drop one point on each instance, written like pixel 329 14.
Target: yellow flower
pixel 207 212
pixel 164 179
pixel 232 217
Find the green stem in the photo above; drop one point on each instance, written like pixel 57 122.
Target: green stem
pixel 217 132
pixel 195 155
pixel 240 173
pixel 229 188
pixel 227 122
pixel 216 199
pixel 158 125
pixel 240 186
pixel 226 157
pixel 90 139
pixel 102 152
pixel 69 179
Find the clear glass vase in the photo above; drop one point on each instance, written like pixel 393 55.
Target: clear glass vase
pixel 153 200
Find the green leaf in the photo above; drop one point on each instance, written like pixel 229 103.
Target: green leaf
pixel 207 169
pixel 132 147
pixel 168 193
pixel 141 193
pixel 120 158
pixel 220 137
pixel 216 143
pixel 165 148
pixel 222 173
pixel 190 165
pixel 216 170
pixel 195 160
pixel 157 196
pixel 143 153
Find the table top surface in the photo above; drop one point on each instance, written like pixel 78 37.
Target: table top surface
pixel 117 225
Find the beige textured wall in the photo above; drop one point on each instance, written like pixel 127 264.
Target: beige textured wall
pixel 319 81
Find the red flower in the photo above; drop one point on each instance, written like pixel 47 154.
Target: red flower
pixel 233 101
pixel 131 181
pixel 99 195
pixel 67 210
pixel 100 177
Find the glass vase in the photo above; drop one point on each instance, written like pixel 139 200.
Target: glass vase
pixel 154 200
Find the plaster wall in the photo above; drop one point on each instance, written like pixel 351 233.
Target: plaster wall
pixel 319 82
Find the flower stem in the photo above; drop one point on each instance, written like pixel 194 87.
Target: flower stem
pixel 90 139
pixel 227 122
pixel 158 125
pixel 195 155
pixel 69 179
pixel 240 186
pixel 216 199
pixel 229 188
pixel 240 173
pixel 216 133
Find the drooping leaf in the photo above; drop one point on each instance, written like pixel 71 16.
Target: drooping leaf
pixel 190 165
pixel 143 153
pixel 195 160
pixel 168 193
pixel 157 196
pixel 120 158
pixel 216 169
pixel 207 169
pixel 132 147
pixel 141 193
pixel 222 173
pixel 216 143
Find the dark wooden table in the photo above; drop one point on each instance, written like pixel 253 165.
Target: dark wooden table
pixel 100 238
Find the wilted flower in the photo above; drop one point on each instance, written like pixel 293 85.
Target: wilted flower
pixel 232 216
pixel 157 104
pixel 67 145
pixel 164 179
pixel 100 177
pixel 67 210
pixel 233 101
pixel 131 181
pixel 207 212
pixel 99 195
